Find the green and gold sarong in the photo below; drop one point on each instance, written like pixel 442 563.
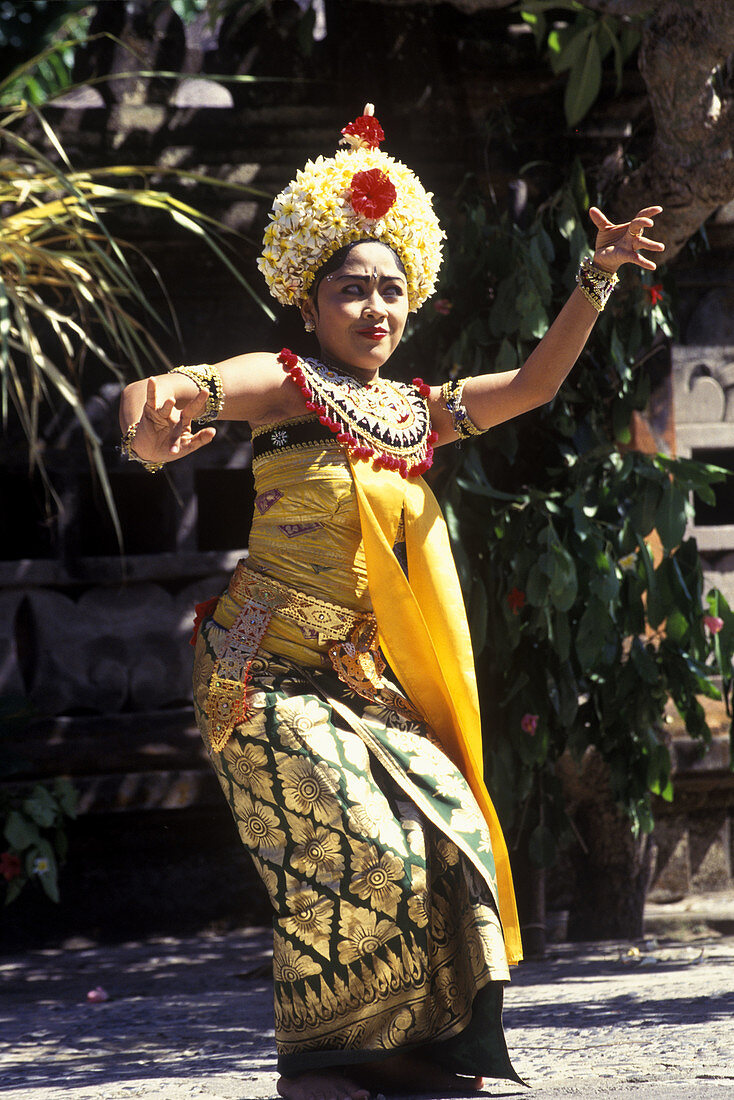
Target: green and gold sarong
pixel 378 858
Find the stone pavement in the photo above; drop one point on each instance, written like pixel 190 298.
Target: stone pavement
pixel 191 1017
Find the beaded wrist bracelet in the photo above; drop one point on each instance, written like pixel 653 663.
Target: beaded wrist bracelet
pixel 126 448
pixel 463 424
pixel 595 283
pixel 208 378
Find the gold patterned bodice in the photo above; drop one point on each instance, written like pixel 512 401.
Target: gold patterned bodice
pixel 306 533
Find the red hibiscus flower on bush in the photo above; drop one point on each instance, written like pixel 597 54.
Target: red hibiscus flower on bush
pixel 372 193
pixel 529 724
pixel 516 600
pixel 9 866
pixel 366 129
pixel 655 293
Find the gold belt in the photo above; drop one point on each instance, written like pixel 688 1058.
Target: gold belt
pixel 330 621
pixel 261 597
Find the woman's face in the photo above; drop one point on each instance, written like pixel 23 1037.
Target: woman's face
pixel 361 309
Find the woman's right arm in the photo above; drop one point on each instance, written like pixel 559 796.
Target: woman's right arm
pixel 256 388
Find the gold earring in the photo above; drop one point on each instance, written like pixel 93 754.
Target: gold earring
pixel 309 326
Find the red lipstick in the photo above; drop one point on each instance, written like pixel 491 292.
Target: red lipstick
pixel 373 333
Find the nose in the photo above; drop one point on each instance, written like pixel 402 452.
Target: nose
pixel 374 306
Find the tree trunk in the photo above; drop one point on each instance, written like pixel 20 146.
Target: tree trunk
pixel 685 55
pixel 690 169
pixel 612 873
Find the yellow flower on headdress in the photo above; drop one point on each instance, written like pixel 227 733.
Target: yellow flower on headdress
pixel 359 192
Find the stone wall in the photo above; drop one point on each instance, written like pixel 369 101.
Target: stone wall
pixel 694 838
pixel 703 396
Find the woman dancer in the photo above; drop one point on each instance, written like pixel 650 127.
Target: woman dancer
pixel 333 680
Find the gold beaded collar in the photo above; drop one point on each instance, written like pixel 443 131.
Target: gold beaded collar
pixel 386 422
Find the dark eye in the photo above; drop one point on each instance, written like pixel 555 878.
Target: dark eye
pixel 395 290
pixel 352 288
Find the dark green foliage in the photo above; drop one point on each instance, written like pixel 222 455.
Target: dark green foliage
pixel 42 30
pixel 33 840
pixel 579 42
pixel 582 630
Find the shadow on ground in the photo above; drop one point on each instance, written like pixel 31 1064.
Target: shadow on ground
pixel 193 1016
pixel 175 1008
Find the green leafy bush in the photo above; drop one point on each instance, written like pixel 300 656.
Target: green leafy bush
pixel 585 597
pixel 579 42
pixel 33 824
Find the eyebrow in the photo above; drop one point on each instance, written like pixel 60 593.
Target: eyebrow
pixel 367 276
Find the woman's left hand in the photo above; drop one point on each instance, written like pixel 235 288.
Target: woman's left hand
pixel 621 244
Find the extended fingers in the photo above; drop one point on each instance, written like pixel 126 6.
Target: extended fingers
pixel 151 394
pixel 189 412
pixel 637 227
pixel 186 442
pixel 626 242
pixel 645 242
pixel 153 410
pixel 643 220
pixel 599 218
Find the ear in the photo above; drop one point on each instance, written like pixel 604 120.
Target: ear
pixel 308 311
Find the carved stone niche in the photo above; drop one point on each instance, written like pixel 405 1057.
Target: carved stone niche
pixel 703 397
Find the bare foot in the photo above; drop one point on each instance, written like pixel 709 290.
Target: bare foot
pixel 326 1085
pixel 408 1073
pixel 412 1074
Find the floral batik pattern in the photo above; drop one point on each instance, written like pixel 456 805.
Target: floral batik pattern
pixel 379 868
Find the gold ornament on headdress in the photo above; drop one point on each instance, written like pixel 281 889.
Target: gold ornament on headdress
pixel 360 192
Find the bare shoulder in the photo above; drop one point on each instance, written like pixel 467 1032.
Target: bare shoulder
pixel 258 389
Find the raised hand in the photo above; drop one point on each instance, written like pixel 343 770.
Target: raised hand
pixel 622 244
pixel 164 431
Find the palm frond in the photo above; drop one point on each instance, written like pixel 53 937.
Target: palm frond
pixel 67 285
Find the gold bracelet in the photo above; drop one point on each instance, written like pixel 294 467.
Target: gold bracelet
pixel 595 283
pixel 463 424
pixel 206 378
pixel 126 448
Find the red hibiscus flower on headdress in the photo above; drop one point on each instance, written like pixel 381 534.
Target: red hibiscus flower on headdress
pixel 364 132
pixel 372 193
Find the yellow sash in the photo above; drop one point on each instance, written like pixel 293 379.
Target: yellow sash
pixel 425 637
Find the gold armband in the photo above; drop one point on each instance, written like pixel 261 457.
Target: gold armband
pixel 206 378
pixel 595 283
pixel 463 424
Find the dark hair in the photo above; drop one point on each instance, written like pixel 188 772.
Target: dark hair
pixel 337 258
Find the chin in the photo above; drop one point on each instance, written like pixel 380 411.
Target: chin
pixel 375 356
pixel 359 359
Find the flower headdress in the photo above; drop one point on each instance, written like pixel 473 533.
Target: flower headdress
pixel 359 192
